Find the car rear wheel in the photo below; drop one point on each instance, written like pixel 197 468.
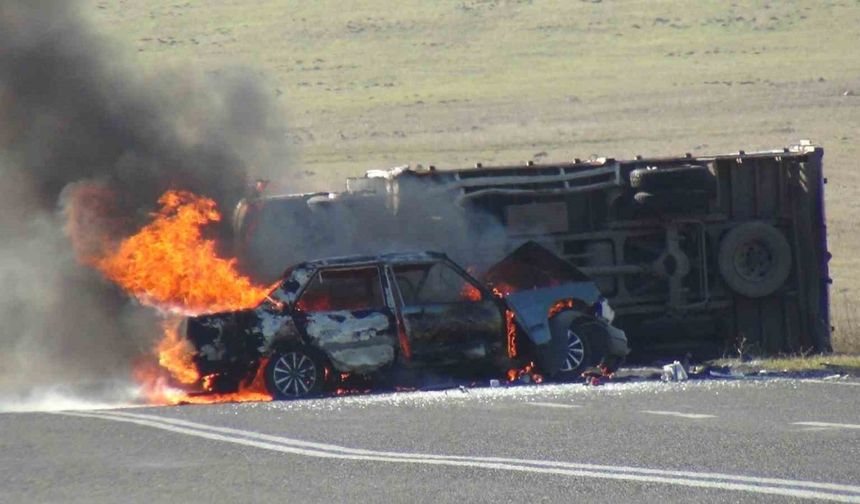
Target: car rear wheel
pixel 295 372
pixel 575 356
pixel 579 355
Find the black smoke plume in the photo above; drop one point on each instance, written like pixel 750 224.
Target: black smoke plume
pixel 76 112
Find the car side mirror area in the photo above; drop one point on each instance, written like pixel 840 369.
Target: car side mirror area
pixel 277 305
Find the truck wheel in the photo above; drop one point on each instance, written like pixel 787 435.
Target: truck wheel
pixel 754 259
pixel 295 372
pixel 679 178
pixel 674 201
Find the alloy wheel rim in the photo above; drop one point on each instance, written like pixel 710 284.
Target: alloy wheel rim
pixel 575 351
pixel 294 374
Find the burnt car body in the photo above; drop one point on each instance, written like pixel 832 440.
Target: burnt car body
pixel 371 315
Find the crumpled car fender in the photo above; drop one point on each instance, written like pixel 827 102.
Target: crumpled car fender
pixel 531 307
pixel 605 340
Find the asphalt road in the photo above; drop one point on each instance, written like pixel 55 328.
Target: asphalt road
pixel 716 441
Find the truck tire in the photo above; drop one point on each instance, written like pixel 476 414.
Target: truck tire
pixel 680 178
pixel 754 259
pixel 674 201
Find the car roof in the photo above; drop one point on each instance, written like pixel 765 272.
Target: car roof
pixel 390 258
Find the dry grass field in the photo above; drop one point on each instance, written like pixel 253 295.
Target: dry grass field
pixel 370 84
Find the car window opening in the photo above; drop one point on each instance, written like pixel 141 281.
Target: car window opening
pixel 434 283
pixel 343 289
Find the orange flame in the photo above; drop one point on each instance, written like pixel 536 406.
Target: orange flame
pixel 560 306
pixel 525 374
pixel 511 332
pixel 174 355
pixel 156 388
pixel 470 293
pixel 502 290
pixel 168 264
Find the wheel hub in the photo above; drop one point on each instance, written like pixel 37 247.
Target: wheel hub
pixel 294 374
pixel 753 261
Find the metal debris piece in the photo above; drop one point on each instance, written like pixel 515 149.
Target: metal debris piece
pixel 674 372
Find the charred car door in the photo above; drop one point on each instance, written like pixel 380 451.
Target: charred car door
pixel 448 318
pixel 343 313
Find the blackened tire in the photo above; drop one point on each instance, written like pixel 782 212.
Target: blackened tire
pixel 754 259
pixel 296 372
pixel 679 178
pixel 674 201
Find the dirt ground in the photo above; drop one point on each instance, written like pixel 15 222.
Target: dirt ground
pixel 374 84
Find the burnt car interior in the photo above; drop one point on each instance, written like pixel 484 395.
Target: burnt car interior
pixel 447 316
pixel 343 289
pixel 434 283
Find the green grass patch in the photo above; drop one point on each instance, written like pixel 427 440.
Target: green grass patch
pixel 837 363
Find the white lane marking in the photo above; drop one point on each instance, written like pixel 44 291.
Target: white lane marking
pixel 827 425
pixel 773 486
pixel 555 405
pixel 342 449
pixel 813 429
pixel 694 416
pixel 832 382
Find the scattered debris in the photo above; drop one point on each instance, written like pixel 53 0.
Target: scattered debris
pixel 835 377
pixel 603 371
pixel 674 372
pixel 730 374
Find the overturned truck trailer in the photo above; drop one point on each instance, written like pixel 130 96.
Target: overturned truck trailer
pixel 711 255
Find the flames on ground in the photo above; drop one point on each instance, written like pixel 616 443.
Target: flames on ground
pixel 169 265
pixel 526 373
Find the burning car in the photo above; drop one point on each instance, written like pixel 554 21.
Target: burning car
pixel 373 315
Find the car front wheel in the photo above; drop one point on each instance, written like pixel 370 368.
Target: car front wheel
pixel 294 373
